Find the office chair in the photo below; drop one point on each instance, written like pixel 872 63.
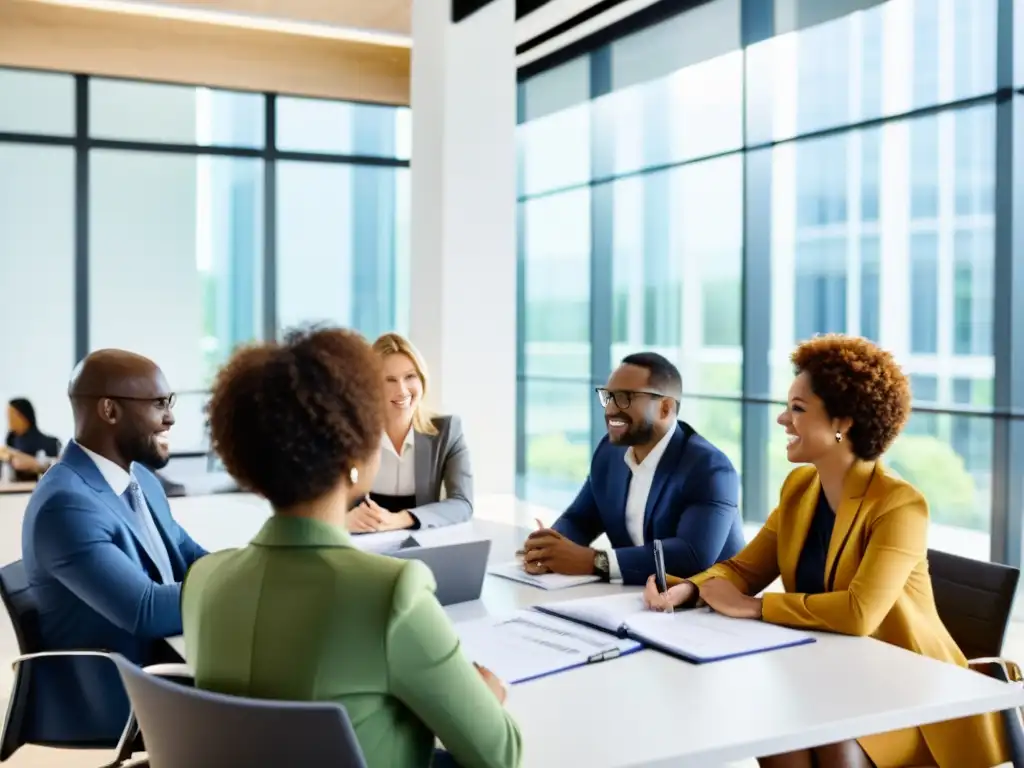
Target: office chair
pixel 17 729
pixel 200 729
pixel 974 600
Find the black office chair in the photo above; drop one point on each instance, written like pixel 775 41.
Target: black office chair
pixel 974 599
pixel 24 615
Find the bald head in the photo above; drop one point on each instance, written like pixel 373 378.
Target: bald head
pixel 122 406
pixel 112 373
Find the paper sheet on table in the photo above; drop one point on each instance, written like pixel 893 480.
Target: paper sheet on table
pixel 527 645
pixel 380 543
pixel 515 572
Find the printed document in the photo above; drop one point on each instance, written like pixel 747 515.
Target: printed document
pixel 528 644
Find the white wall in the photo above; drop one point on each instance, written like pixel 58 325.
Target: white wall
pixel 463 309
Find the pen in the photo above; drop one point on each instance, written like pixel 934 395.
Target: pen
pixel 612 653
pixel 660 577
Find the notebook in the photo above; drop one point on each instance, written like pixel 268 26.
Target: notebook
pixel 514 571
pixel 699 634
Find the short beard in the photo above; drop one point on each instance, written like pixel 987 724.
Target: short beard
pixel 638 434
pixel 142 450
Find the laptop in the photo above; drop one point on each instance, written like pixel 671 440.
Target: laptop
pixel 458 568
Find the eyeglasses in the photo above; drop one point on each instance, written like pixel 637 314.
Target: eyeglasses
pixel 623 397
pixel 165 403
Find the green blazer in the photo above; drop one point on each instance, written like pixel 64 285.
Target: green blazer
pixel 302 615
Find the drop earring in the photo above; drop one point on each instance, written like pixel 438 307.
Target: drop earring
pixel 839 438
pixel 353 475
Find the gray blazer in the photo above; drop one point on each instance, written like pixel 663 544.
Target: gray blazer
pixel 443 459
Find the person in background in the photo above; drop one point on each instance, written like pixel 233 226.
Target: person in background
pixel 300 423
pixel 849 539
pixel 103 556
pixel 420 453
pixel 28 450
pixel 652 477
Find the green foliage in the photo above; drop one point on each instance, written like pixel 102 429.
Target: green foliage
pixel 551 455
pixel 936 470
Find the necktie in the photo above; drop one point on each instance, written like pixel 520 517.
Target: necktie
pixel 150 535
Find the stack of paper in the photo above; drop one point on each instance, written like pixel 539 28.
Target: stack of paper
pixel 515 572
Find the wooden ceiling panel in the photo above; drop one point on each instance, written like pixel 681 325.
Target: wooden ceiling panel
pixel 69 39
pixel 393 16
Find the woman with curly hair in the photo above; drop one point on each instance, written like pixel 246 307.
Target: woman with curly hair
pixel 300 614
pixel 849 540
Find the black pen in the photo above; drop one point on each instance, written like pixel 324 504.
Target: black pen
pixel 660 577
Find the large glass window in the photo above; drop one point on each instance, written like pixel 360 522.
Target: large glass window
pixel 175 114
pixel 836 175
pixel 340 128
pixel 175 244
pixel 36 102
pixel 168 183
pixel 557 287
pixel 37 267
pixel 339 223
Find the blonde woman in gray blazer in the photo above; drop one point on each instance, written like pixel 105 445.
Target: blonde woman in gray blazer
pixel 420 454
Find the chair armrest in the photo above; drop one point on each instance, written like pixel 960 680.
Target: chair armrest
pixel 1000 668
pixel 169 670
pixel 55 654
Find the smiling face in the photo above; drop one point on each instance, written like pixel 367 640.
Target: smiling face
pixel 142 430
pixel 812 431
pixel 633 411
pixel 403 388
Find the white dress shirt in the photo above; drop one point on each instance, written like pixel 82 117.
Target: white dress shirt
pixel 636 499
pixel 115 476
pixel 397 473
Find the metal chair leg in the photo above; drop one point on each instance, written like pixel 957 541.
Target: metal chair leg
pixel 125 747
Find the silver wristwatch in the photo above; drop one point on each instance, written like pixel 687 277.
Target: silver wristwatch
pixel 601 567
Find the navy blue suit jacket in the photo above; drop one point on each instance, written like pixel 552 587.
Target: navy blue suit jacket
pixel 96 588
pixel 692 508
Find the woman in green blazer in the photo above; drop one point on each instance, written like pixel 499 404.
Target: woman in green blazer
pixel 300 614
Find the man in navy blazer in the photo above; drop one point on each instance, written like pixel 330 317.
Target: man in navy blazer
pixel 652 477
pixel 103 556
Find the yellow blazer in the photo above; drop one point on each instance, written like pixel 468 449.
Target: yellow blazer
pixel 877 576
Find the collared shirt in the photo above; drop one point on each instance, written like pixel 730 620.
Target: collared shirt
pixel 119 480
pixel 397 473
pixel 636 499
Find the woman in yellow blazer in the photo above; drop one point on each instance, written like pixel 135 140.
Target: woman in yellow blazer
pixel 849 540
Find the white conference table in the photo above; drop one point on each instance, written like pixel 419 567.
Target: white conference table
pixel 649 709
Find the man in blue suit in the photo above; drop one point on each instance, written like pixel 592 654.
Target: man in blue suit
pixel 652 477
pixel 103 556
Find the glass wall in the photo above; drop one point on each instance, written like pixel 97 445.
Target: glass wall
pixel 743 176
pixel 179 222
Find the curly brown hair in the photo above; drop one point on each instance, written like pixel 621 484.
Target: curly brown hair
pixel 290 419
pixel 858 380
